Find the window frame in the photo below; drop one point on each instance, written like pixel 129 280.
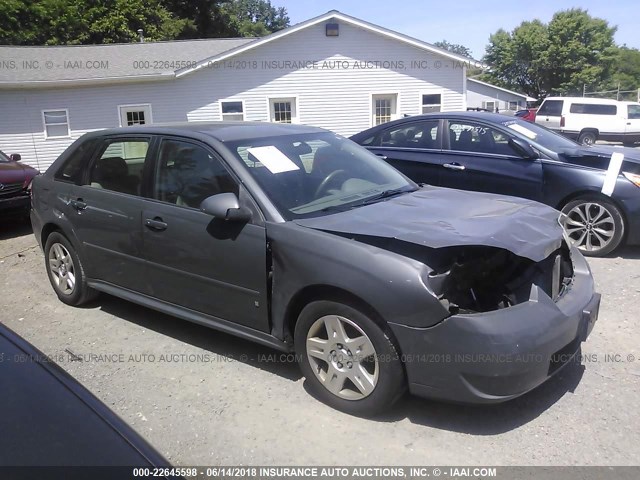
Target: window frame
pixel 133 107
pixel 439 135
pixel 295 107
pixel 67 123
pixel 98 151
pixel 495 104
pixel 421 103
pixel 232 100
pixel 446 144
pixel 392 116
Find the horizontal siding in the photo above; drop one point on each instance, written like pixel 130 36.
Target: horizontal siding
pixel 336 99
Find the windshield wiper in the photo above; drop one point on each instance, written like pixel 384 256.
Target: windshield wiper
pixel 386 194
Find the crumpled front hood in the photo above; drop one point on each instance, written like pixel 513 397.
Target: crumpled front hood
pixel 443 217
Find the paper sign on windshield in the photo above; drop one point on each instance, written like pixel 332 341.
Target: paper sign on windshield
pixel 273 159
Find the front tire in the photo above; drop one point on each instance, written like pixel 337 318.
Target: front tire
pixel 349 361
pixel 65 271
pixel 594 225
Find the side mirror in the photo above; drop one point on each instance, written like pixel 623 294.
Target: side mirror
pixel 523 148
pixel 16 157
pixel 225 206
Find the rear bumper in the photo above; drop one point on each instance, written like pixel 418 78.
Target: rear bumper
pixel 496 356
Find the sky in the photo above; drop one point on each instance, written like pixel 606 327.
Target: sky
pixel 468 23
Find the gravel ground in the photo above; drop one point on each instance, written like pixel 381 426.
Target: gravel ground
pixel 206 398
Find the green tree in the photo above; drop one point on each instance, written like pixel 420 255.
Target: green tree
pixel 255 18
pixel 574 49
pixel 625 72
pixel 207 18
pixel 454 48
pixel 69 22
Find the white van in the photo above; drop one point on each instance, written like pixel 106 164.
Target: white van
pixel 589 119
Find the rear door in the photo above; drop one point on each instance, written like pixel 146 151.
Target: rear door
pixel 550 114
pixel 196 261
pixel 106 208
pixel 632 130
pixel 478 157
pixel 413 148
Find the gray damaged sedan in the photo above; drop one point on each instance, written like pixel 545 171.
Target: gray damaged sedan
pixel 303 241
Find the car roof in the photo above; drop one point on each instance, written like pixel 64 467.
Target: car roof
pixel 222 131
pixel 592 100
pixel 488 116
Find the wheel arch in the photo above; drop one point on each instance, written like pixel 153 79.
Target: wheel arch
pixel 313 293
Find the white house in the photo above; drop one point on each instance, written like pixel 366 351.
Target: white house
pixel 487 96
pixel 333 71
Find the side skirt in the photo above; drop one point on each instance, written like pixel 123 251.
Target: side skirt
pixel 192 316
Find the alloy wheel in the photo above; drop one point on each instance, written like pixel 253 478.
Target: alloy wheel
pixel 342 357
pixel 62 269
pixel 590 226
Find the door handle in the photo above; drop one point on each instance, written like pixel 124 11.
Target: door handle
pixel 454 166
pixel 383 157
pixel 78 204
pixel 155 224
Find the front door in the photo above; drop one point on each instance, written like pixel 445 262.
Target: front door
pixel 106 209
pixel 194 260
pixel 479 157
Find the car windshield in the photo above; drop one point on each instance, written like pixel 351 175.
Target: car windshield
pixel 542 136
pixel 308 175
pixel 3 157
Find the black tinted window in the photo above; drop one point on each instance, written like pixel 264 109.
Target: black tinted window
pixel 71 170
pixel 413 135
pixel 593 109
pixel 120 165
pixel 473 137
pixel 551 108
pixel 187 174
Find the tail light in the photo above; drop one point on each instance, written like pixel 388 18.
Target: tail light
pixel 562 121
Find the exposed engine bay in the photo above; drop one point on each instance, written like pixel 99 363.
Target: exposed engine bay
pixel 473 279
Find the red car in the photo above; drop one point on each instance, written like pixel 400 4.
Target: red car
pixel 528 114
pixel 15 180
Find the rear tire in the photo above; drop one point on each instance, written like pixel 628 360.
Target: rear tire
pixel 587 138
pixel 594 225
pixel 65 271
pixel 349 361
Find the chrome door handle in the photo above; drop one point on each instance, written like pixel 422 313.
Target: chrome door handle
pixel 78 204
pixel 454 166
pixel 383 157
pixel 155 224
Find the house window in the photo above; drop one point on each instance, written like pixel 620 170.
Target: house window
pixel 56 123
pixel 384 107
pixel 232 110
pixel 431 102
pixel 131 115
pixel 514 105
pixel 283 110
pixel 489 105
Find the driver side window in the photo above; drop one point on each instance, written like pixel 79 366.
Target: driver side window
pixel 187 173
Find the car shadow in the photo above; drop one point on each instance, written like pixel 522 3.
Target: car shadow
pixel 218 343
pixel 470 419
pixel 13 227
pixel 630 252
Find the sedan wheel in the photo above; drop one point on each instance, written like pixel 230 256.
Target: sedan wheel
pixel 62 269
pixel 349 360
pixel 595 226
pixel 342 357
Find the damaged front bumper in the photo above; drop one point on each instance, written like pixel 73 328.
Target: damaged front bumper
pixel 498 355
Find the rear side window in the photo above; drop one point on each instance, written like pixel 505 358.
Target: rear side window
pixel 634 112
pixel 120 165
pixel 415 135
pixel 71 170
pixel 551 108
pixel 593 109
